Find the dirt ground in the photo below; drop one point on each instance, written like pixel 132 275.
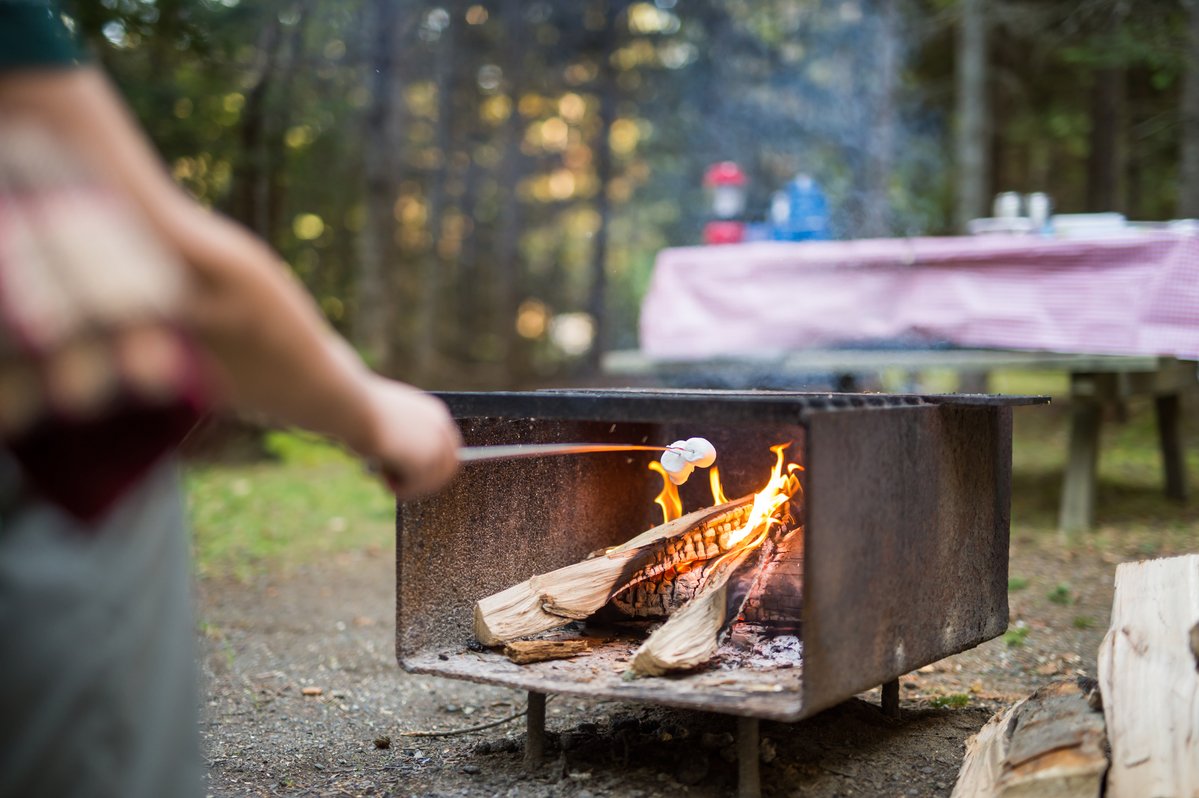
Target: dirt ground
pixel 303 697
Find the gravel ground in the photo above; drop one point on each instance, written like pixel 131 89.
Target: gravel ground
pixel 303 697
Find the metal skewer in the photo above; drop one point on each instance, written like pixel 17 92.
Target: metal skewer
pixel 478 454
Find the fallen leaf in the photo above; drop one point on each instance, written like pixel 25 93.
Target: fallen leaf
pixel 311 690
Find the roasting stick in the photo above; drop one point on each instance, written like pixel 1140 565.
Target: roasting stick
pixel 679 458
pixel 482 454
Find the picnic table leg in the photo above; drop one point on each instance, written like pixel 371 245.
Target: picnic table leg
pixel 1078 491
pixel 1173 457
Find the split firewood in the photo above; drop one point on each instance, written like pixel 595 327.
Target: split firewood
pixel 1049 745
pixel 522 652
pixel 691 636
pixel 550 600
pixel 1148 678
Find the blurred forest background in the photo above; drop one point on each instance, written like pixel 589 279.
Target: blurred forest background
pixel 475 191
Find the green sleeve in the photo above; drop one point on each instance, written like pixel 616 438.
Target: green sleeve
pixel 32 34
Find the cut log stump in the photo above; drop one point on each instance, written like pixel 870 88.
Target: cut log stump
pixel 1147 672
pixel 1049 745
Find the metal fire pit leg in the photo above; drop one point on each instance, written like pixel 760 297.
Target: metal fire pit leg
pixel 890 702
pixel 749 782
pixel 535 730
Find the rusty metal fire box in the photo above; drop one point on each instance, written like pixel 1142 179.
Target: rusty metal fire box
pixel 905 541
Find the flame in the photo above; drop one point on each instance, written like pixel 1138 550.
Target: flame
pixel 779 489
pixel 668 499
pixel 718 496
pixel 777 492
pixel 782 485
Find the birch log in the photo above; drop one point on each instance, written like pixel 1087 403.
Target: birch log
pixel 553 599
pixel 1049 745
pixel 1149 681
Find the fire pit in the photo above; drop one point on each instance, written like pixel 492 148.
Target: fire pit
pixel 896 555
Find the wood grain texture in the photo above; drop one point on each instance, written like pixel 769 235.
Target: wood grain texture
pixel 523 652
pixel 1149 680
pixel 1049 745
pixel 550 600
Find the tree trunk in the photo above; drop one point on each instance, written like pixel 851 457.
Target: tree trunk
pixel 425 343
pixel 1188 191
pixel 511 218
pixel 973 125
pixel 377 242
pixel 880 142
pixel 1103 160
pixel 250 200
pixel 597 299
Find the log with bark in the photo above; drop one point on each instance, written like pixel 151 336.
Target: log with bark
pixel 575 592
pixel 1049 745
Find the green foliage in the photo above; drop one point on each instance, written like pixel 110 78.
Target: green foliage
pixel 1083 622
pixel 1060 594
pixel 951 701
pixel 314 502
pixel 1016 584
pixel 495 135
pixel 1015 636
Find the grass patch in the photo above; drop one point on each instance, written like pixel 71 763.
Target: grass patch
pixel 313 501
pixel 1060 594
pixel 1015 636
pixel 1083 622
pixel 951 701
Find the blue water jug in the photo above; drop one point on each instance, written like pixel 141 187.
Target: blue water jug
pixel 800 211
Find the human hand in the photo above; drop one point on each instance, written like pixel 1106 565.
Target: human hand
pixel 413 440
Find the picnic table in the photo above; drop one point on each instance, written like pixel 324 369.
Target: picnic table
pixel 1119 314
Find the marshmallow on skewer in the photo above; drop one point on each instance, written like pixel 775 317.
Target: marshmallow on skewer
pixel 683 456
pixel 700 452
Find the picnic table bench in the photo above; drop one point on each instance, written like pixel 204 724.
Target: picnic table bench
pixel 1095 381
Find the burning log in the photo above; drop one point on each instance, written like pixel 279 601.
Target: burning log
pixel 691 636
pixel 576 591
pixel 698 570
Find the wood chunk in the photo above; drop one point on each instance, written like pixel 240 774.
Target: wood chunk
pixel 1049 745
pixel 1149 681
pixel 690 637
pixel 547 601
pixel 522 652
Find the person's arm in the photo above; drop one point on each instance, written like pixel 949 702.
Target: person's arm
pixel 274 350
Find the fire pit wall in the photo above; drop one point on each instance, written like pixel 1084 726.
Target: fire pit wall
pixel 903 558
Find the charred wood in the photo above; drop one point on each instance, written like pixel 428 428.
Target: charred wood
pixel 691 636
pixel 550 600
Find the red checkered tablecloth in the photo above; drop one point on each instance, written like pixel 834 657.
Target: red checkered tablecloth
pixel 1137 294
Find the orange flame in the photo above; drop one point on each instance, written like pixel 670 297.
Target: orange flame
pixel 718 496
pixel 768 500
pixel 668 499
pixel 779 489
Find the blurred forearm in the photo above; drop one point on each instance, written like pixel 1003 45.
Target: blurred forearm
pixel 273 349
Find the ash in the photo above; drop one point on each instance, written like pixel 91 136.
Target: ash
pixel 761 648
